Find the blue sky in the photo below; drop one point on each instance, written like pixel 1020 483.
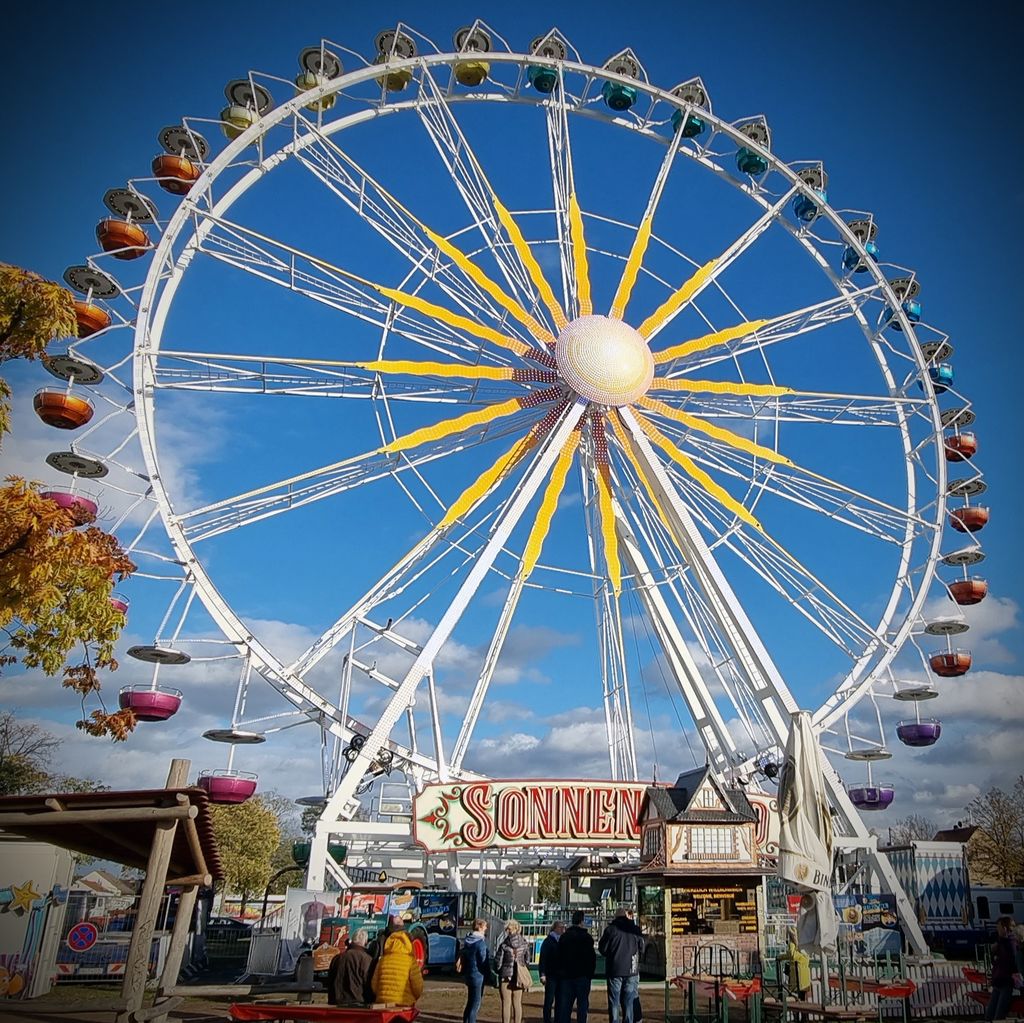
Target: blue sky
pixel 907 108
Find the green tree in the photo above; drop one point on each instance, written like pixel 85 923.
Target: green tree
pixel 55 585
pixel 996 852
pixel 549 885
pixel 248 836
pixel 33 311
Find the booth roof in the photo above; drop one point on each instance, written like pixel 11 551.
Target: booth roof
pixel 123 841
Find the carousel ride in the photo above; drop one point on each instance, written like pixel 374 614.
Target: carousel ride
pixel 704 404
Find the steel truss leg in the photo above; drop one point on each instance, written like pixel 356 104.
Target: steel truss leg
pixel 706 716
pixel 618 712
pixel 529 486
pixel 766 682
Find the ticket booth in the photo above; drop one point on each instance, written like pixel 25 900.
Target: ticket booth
pixel 699 882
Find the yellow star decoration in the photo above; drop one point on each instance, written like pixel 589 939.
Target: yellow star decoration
pixel 23 896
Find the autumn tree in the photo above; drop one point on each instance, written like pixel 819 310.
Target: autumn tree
pixel 55 585
pixel 248 835
pixel 33 311
pixel 996 851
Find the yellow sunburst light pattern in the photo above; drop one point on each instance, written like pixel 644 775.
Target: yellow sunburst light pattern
pixel 601 359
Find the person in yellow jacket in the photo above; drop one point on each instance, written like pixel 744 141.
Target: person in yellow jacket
pixel 798 967
pixel 397 978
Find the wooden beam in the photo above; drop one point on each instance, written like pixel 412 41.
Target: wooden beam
pixel 179 937
pixel 137 968
pixel 45 819
pixel 158 1010
pixel 48 1008
pixel 195 846
pixel 192 879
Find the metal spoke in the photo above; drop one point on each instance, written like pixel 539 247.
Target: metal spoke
pixel 695 355
pixel 517 265
pixel 457 275
pixel 710 271
pixel 384 307
pixel 329 480
pixel 326 378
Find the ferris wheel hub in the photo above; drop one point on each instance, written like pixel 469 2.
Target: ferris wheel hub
pixel 604 360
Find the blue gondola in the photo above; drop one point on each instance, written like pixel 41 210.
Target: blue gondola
pixel 852 260
pixel 694 125
pixel 806 209
pixel 750 162
pixel 543 79
pixel 912 309
pixel 942 377
pixel 619 97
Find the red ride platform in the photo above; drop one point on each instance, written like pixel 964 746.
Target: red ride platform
pixel 324 1013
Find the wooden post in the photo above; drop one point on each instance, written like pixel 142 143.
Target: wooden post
pixel 179 936
pixel 137 968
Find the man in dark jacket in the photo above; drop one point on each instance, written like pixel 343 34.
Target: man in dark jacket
pixel 577 962
pixel 549 969
pixel 621 945
pixel 348 979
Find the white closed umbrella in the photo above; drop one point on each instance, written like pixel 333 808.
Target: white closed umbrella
pixel 805 837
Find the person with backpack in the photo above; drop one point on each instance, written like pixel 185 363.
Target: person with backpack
pixel 621 945
pixel 577 963
pixel 474 965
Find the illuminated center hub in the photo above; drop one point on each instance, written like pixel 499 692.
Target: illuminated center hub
pixel 604 360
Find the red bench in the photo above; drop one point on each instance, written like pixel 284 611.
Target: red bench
pixel 323 1013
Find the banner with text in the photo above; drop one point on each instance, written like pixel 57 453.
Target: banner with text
pixel 499 814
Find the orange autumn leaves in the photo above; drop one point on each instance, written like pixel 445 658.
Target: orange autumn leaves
pixel 55 586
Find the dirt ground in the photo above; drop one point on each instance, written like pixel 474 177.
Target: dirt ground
pixel 442 1002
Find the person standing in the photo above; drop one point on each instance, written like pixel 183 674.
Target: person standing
pixel 348 979
pixel 512 952
pixel 475 967
pixel 577 962
pixel 397 977
pixel 621 945
pixel 549 969
pixel 1004 969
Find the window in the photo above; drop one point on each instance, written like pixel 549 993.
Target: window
pixel 712 843
pixel 1006 908
pixel 983 907
pixel 707 799
pixel 652 840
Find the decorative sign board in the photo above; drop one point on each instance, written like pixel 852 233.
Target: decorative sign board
pixel 502 814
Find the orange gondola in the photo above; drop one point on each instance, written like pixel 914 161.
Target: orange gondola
pixel 961 447
pixel 968 591
pixel 121 238
pixel 969 518
pixel 950 663
pixel 62 410
pixel 91 318
pixel 175 174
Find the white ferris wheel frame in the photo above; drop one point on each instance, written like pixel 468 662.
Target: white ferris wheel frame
pixel 167 271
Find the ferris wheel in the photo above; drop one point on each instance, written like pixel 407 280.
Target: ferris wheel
pixel 578 341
